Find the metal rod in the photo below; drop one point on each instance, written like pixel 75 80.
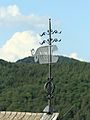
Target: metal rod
pixel 50 57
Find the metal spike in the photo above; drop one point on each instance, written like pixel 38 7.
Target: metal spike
pixel 59 40
pixel 43 34
pixel 60 32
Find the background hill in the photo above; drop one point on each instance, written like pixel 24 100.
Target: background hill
pixel 30 59
pixel 21 86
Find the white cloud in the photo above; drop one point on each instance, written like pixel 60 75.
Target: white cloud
pixel 19 46
pixel 9 11
pixel 12 16
pixel 73 55
pixel 21 43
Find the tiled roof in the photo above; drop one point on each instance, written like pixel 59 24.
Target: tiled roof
pixel 6 115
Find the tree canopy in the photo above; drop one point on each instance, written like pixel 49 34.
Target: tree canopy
pixel 21 87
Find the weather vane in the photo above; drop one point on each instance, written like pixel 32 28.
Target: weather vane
pixel 44 55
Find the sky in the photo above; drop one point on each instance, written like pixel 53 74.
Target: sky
pixel 22 22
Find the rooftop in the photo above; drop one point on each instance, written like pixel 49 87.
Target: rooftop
pixel 7 115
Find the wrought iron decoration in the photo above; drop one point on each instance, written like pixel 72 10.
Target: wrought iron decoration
pixel 44 55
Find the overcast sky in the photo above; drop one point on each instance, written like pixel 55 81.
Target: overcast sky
pixel 21 22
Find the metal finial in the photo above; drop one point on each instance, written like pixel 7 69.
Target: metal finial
pixel 49 86
pixel 43 55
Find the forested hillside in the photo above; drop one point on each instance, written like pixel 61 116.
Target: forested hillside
pixel 21 87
